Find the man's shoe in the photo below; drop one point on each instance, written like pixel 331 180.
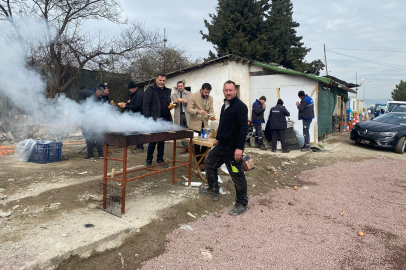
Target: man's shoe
pixel 88 157
pixel 238 209
pixel 137 150
pixel 285 151
pixel 101 156
pixel 263 147
pixel 274 150
pixel 163 165
pixel 148 163
pixel 305 149
pixel 209 192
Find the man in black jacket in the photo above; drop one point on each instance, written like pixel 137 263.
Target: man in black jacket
pixel 92 137
pixel 277 116
pixel 306 113
pixel 228 148
pixel 258 109
pixel 156 101
pixel 135 105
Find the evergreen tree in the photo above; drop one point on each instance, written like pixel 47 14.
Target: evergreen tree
pixel 399 93
pixel 259 31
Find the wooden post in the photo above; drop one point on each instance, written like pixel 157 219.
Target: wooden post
pixel 190 161
pixel 342 114
pixel 278 90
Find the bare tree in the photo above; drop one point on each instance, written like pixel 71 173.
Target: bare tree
pixel 68 47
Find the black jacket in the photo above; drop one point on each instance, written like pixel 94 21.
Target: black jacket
pixel 257 112
pixel 233 127
pixel 277 116
pixel 306 108
pixel 85 94
pixel 154 103
pixel 135 104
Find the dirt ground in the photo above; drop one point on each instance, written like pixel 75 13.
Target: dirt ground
pixel 45 207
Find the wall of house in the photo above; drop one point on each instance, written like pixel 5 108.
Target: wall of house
pixel 289 86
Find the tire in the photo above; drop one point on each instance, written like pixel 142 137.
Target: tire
pixel 290 130
pixel 401 145
pixel 293 146
pixel 291 135
pixel 291 141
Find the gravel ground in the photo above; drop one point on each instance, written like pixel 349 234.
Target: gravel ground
pixel 303 229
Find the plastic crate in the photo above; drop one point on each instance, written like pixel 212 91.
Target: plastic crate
pixel 39 153
pixel 54 152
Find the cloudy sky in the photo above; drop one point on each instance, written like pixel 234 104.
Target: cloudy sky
pixel 369 30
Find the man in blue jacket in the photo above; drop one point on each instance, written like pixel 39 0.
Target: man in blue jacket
pixel 155 105
pixel 257 118
pixel 306 113
pixel 277 116
pixel 135 105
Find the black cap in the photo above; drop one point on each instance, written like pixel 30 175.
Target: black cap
pixel 132 85
pixel 280 101
pixel 102 86
pixel 301 93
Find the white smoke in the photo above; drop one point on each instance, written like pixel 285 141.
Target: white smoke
pixel 25 88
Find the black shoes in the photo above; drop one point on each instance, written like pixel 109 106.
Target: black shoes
pixel 263 147
pixel 238 209
pixel 305 149
pixel 148 163
pixel 209 192
pixel 274 150
pixel 285 151
pixel 88 157
pixel 163 165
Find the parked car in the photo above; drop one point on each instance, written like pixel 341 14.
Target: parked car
pixel 392 104
pixel 379 109
pixel 387 130
pixel 399 108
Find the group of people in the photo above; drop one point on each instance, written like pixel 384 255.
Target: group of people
pixel 277 121
pixel 193 111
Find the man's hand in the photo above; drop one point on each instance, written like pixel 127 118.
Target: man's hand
pixel 184 101
pixel 202 112
pixel 176 101
pixel 297 103
pixel 264 105
pixel 215 142
pixel 122 105
pixel 237 154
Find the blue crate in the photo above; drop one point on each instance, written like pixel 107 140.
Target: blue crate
pixel 39 153
pixel 54 152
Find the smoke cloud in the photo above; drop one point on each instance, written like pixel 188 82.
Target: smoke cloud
pixel 25 88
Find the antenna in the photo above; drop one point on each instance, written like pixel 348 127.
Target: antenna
pixel 325 58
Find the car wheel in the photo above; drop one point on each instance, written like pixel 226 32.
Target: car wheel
pixel 401 145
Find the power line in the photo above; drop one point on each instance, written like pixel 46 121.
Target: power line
pixel 370 61
pixel 366 50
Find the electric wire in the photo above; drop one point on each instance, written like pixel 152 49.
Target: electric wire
pixel 366 50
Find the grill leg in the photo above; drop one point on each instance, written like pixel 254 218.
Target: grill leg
pixel 123 186
pixel 173 162
pixel 105 176
pixel 190 160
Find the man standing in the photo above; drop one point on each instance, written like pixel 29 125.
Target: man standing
pixel 277 117
pixel 180 99
pixel 105 96
pixel 156 101
pixel 258 109
pixel 135 105
pixel 306 113
pixel 92 137
pixel 199 105
pixel 228 148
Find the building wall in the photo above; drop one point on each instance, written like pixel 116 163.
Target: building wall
pixel 289 86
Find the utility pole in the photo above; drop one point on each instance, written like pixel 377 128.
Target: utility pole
pixel 325 58
pixel 165 40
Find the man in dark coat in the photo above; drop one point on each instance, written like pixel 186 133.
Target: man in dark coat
pixel 306 113
pixel 134 105
pixel 257 118
pixel 228 148
pixel 156 101
pixel 277 116
pixel 92 137
pixel 105 96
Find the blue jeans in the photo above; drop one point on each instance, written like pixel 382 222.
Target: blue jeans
pixel 306 134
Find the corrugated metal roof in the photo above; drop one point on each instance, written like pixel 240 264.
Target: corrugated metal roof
pixel 289 71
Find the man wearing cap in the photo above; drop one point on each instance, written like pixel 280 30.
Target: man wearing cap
pixel 258 109
pixel 277 116
pixel 134 105
pixel 155 105
pixel 180 116
pixel 306 113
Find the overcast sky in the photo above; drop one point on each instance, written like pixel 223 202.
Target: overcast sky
pixel 375 29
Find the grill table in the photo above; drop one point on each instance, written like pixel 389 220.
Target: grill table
pixel 128 139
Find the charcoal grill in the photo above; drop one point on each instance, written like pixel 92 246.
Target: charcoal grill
pixel 128 139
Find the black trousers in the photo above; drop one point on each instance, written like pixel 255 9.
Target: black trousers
pixel 183 123
pixel 278 134
pixel 306 133
pixel 219 155
pixel 92 139
pixel 258 133
pixel 151 150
